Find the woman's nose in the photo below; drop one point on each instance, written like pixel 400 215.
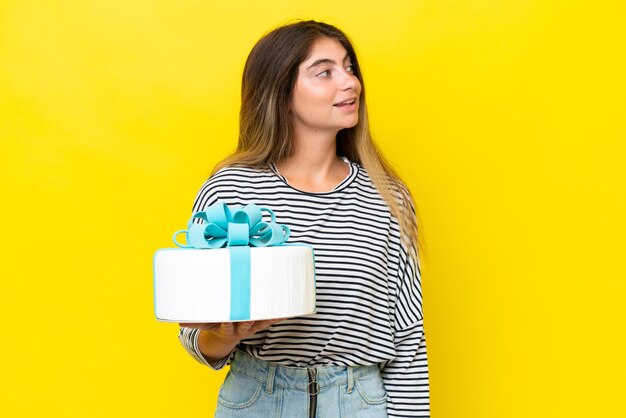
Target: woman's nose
pixel 348 80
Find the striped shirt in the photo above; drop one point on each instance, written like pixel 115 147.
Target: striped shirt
pixel 368 292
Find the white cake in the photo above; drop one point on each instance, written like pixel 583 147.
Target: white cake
pixel 194 285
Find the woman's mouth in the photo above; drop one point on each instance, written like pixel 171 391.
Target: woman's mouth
pixel 347 105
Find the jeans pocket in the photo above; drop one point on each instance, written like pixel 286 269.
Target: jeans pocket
pixel 371 390
pixel 239 391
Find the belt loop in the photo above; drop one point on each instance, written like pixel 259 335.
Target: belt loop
pixel 350 379
pixel 270 378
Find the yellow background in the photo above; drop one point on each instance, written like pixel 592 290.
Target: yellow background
pixel 506 118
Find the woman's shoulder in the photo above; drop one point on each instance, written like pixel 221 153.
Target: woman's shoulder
pixel 228 179
pixel 393 183
pixel 238 172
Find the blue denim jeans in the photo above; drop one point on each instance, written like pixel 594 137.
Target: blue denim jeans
pixel 257 388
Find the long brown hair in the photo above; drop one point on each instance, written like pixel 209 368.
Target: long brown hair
pixel 266 133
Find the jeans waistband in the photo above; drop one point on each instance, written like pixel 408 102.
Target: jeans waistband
pixel 297 378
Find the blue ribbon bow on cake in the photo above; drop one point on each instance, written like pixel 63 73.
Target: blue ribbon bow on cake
pixel 238 229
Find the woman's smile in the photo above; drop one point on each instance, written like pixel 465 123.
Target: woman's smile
pixel 348 106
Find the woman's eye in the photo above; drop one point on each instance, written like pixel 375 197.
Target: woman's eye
pixel 326 73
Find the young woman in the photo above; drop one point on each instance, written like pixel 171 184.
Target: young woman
pixel 306 152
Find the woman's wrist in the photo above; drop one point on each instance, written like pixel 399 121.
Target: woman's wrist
pixel 213 346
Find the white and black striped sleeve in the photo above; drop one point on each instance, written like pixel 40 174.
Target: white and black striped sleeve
pixel 406 375
pixel 188 337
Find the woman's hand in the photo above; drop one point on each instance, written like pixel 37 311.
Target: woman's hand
pixel 233 331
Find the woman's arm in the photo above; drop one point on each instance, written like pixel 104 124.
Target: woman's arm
pixel 212 347
pixel 217 340
pixel 406 376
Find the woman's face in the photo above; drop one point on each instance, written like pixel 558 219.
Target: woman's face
pixel 326 79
